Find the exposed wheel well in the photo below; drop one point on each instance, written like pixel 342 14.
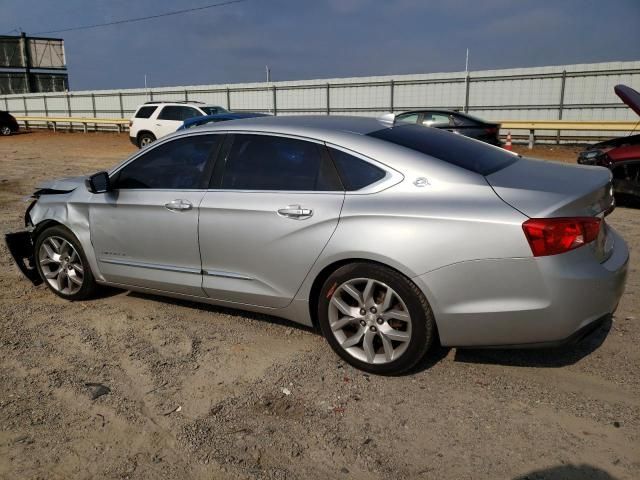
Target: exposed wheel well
pixel 43 225
pixel 325 273
pixel 142 132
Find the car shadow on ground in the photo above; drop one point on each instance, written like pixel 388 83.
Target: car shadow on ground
pixel 541 358
pixel 568 472
pixel 222 310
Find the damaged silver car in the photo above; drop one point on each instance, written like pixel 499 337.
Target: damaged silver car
pixel 386 237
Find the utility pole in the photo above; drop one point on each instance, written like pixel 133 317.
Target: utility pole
pixel 145 81
pixel 268 73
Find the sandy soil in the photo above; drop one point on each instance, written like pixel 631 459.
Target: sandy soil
pixel 196 392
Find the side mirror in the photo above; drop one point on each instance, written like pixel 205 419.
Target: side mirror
pixel 98 183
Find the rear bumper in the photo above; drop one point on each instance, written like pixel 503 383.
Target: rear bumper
pixel 20 245
pixel 133 140
pixel 525 302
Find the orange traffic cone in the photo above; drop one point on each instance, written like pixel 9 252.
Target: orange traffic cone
pixel 507 146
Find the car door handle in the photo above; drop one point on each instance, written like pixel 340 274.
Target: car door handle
pixel 178 205
pixel 295 211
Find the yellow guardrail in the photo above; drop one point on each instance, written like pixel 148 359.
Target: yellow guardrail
pixel 84 121
pixel 531 126
pixel 572 125
pixel 567 125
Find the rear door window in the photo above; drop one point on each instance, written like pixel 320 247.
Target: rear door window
pixel 145 112
pixel 458 150
pixel 435 119
pixel 178 113
pixel 408 118
pixel 264 162
pixel 460 121
pixel 354 172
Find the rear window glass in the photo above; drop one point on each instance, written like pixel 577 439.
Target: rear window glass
pixel 145 112
pixel 458 150
pixel 355 173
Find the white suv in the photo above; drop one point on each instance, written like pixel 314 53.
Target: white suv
pixel 153 120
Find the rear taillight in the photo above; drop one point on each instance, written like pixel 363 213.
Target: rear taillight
pixel 491 130
pixel 551 236
pixel 130 123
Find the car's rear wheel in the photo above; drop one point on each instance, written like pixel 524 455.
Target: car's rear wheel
pixel 5 130
pixel 375 318
pixel 63 265
pixel 145 139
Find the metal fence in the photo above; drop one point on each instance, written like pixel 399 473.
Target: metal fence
pixel 569 92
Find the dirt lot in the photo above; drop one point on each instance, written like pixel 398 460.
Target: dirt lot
pixel 196 392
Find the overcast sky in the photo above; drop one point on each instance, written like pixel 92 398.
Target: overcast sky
pixel 302 39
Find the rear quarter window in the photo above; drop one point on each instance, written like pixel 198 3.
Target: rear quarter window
pixel 354 172
pixel 145 112
pixel 463 152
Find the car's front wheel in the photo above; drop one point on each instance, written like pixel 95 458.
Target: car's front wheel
pixel 63 265
pixel 145 139
pixel 5 130
pixel 375 318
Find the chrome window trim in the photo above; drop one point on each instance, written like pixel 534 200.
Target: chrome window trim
pixel 220 273
pixel 156 144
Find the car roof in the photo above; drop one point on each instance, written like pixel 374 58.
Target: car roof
pixel 319 126
pixel 439 110
pixel 195 103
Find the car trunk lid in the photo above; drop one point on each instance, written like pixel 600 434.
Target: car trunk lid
pixel 629 96
pixel 551 189
pixel 541 189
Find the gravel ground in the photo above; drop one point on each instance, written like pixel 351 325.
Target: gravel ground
pixel 135 386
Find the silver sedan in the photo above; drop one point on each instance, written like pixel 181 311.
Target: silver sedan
pixel 387 238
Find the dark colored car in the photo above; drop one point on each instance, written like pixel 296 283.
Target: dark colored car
pixel 620 155
pixel 218 117
pixel 8 124
pixel 455 122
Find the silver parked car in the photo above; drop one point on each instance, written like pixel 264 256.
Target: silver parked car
pixel 386 237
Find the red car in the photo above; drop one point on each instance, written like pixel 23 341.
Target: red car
pixel 620 155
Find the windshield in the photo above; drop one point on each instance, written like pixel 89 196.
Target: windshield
pixel 209 110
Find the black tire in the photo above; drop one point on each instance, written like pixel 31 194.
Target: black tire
pixel 422 323
pixel 88 285
pixel 145 138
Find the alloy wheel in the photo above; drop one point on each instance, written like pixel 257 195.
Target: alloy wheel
pixel 61 265
pixel 144 141
pixel 5 130
pixel 370 320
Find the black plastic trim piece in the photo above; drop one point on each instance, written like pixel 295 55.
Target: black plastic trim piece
pixel 20 245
